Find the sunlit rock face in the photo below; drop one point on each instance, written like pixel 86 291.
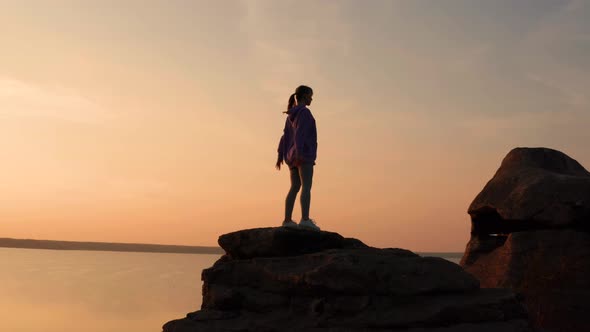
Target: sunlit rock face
pixel 530 233
pixel 278 279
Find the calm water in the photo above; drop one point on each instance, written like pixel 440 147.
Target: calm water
pixel 51 291
pixel 91 291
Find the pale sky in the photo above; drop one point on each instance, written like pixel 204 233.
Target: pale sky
pixel 158 121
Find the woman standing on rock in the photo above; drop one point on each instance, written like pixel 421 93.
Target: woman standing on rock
pixel 298 149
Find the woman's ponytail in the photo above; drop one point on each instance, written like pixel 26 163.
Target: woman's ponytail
pixel 291 102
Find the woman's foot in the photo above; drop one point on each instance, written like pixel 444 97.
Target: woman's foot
pixel 309 224
pixel 290 224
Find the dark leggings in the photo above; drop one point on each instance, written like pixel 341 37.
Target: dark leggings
pixel 301 177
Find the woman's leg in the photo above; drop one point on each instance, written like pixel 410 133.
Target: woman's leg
pixel 292 195
pixel 306 175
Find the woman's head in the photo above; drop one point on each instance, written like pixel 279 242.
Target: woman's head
pixel 303 96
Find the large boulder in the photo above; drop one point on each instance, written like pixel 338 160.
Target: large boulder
pixel 534 188
pixel 335 284
pixel 530 234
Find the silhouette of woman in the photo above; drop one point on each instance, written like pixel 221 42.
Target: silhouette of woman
pixel 298 149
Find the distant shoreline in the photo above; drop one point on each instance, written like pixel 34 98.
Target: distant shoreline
pixel 106 246
pixel 142 247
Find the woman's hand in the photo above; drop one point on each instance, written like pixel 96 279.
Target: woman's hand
pixel 278 164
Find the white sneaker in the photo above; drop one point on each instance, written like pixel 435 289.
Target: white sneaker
pixel 290 224
pixel 309 224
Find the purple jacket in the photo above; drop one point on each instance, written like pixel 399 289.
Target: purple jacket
pixel 300 139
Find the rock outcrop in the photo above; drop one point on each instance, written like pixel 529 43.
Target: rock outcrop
pixel 534 188
pixel 530 233
pixel 279 279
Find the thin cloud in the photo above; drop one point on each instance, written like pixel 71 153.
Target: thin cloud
pixel 571 96
pixel 558 47
pixel 21 99
pixel 288 49
pixel 573 5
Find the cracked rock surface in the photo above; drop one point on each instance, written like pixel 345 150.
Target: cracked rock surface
pixel 530 233
pixel 279 279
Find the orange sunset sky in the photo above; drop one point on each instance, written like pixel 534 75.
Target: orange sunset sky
pixel 158 121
